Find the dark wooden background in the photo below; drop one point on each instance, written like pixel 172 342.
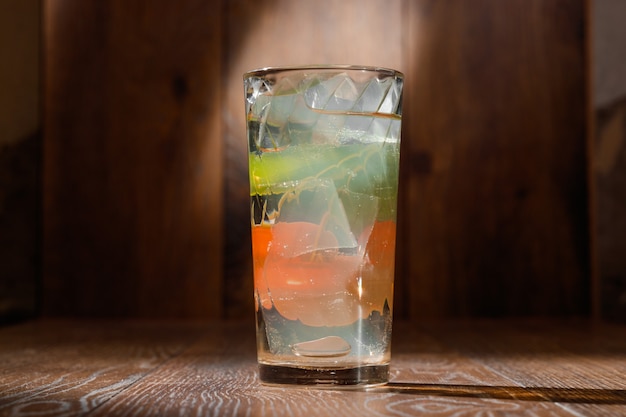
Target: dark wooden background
pixel 145 210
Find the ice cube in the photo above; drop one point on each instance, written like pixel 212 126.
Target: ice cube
pixel 337 93
pixel 316 201
pixel 372 95
pixel 329 346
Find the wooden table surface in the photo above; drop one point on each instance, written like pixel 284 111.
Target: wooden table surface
pixel 149 368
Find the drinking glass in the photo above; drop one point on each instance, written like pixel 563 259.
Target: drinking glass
pixel 324 149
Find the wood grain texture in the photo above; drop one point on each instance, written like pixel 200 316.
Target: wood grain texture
pixel 576 364
pixel 133 157
pixel 469 368
pixel 609 176
pixel 20 228
pixel 69 368
pixel 495 206
pixel 20 159
pixel 146 193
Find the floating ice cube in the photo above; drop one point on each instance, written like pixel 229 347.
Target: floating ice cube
pixel 372 95
pixel 256 89
pixel 329 346
pixel 338 93
pixel 334 109
pixel 272 113
pixel 316 202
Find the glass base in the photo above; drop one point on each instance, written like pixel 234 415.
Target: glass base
pixel 359 377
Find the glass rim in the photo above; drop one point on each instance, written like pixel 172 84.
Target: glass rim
pixel 322 67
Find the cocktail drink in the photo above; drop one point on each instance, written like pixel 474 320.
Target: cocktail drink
pixel 324 148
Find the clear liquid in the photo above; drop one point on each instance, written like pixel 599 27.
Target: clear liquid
pixel 290 342
pixel 324 256
pixel 323 187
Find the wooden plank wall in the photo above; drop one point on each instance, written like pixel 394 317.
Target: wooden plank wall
pixel 610 205
pixel 496 213
pixel 20 157
pixel 609 156
pixel 133 159
pixel 146 200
